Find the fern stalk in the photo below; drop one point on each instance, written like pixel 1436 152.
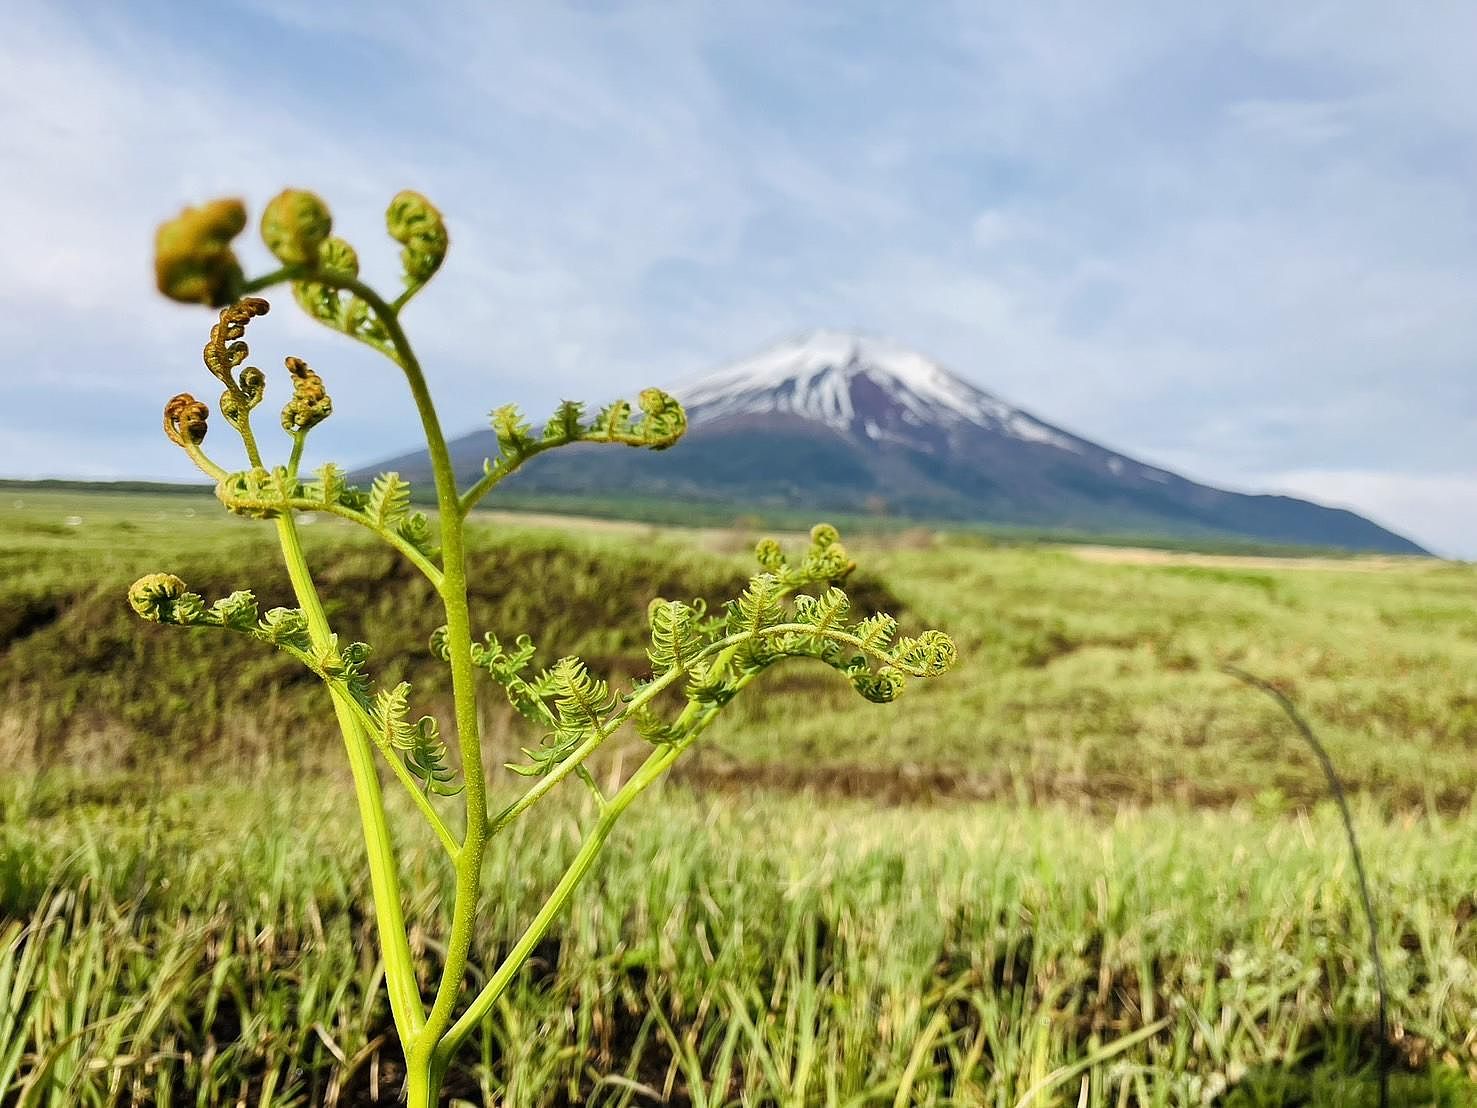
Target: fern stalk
pixel 709 659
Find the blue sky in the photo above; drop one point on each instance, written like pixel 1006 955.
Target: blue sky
pixel 1236 240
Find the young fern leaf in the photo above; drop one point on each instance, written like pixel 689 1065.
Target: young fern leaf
pixel 758 608
pixel 613 423
pixel 826 612
pixel 389 500
pixel 653 728
pixel 415 529
pixel 581 700
pixel 676 637
pixel 929 655
pixel 419 742
pixel 876 631
pixel 528 699
pixel 514 435
pixel 286 627
pixel 567 423
pixel 581 704
pixel 330 485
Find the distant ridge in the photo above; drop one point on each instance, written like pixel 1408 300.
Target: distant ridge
pixel 832 421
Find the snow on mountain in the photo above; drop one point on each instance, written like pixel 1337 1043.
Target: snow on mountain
pixel 838 422
pixel 861 385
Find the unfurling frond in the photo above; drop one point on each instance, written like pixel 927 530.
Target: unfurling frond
pixel 236 612
pixel 156 597
pixel 566 424
pixel 661 423
pixel 929 655
pixel 882 687
pixel 825 562
pixel 581 704
pixel 415 223
pixel 310 404
pixel 193 259
pixel 319 287
pixel 763 626
pixel 581 700
pixel 389 500
pixel 330 486
pixel 514 435
pixel 416 530
pixel 256 493
pixel 876 631
pixel 826 612
pixel 185 420
pixel 286 627
pixel 528 698
pixel 419 741
pixel 653 728
pixel 676 637
pixel 295 224
pixel 320 296
pixel 226 350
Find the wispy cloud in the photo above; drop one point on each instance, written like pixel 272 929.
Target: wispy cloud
pixel 1236 240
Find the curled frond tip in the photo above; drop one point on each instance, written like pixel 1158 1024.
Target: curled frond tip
pixel 193 259
pixel 310 404
pixel 294 225
pixel 185 420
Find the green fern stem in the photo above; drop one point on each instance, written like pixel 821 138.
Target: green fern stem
pixel 656 764
pixel 405 1002
pixel 419 1051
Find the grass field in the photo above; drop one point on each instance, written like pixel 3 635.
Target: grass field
pixel 1086 868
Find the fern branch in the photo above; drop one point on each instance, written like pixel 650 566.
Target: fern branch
pixel 402 774
pixel 254 501
pixel 661 423
pixel 713 658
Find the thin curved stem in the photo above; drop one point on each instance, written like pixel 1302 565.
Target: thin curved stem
pixel 299 440
pixel 368 727
pixel 397 766
pixel 405 1002
pixel 453 591
pixel 656 764
pixel 428 568
pixel 1336 788
pixel 202 462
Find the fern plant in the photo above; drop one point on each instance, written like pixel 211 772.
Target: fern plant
pixel 700 659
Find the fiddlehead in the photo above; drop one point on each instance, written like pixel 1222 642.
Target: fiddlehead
pixel 295 225
pixel 193 259
pixel 415 223
pixel 310 404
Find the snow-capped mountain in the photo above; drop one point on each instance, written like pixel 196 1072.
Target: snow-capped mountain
pixel 837 422
pixel 861 385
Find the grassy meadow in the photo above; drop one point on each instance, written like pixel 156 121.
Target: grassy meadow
pixel 1085 868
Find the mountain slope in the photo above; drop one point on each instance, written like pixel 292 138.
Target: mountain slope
pixel 833 421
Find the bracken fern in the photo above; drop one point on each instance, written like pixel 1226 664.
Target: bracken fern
pixel 699 662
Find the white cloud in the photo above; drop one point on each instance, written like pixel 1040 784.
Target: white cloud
pixel 1241 240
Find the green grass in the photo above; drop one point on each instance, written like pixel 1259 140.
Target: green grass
pixel 1086 857
pixel 751 954
pixel 1078 681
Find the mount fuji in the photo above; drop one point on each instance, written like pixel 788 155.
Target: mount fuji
pixel 838 422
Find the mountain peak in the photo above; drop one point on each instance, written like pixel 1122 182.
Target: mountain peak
pixel 837 421
pixel 859 384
